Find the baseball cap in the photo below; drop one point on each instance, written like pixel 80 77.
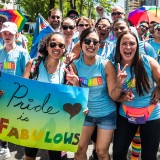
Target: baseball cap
pixel 72 11
pixel 9 26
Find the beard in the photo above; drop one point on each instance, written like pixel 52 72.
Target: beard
pixel 55 26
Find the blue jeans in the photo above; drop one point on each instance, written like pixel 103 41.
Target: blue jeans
pixel 107 122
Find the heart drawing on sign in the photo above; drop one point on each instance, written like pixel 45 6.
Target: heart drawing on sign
pixel 72 109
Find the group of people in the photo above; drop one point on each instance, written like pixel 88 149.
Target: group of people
pixel 121 61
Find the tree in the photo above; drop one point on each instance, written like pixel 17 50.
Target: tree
pixel 72 4
pixel 52 4
pixel 84 7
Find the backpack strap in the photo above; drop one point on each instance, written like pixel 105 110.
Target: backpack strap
pixel 35 67
pixel 145 48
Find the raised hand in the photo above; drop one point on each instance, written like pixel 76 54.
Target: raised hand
pixel 121 76
pixel 71 76
pixel 69 58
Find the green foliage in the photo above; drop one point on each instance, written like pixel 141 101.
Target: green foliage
pixel 34 7
pixel 30 38
pixel 84 7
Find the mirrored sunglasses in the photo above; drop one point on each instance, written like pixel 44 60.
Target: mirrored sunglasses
pixel 143 26
pixel 73 17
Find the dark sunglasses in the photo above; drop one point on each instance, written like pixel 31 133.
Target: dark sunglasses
pixel 100 27
pixel 73 17
pixel 116 13
pixel 82 25
pixel 143 26
pixel 158 29
pixel 68 27
pixel 54 44
pixel 55 17
pixel 88 41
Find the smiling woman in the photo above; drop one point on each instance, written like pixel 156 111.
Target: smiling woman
pixel 99 76
pixel 48 68
pixel 68 28
pixel 138 99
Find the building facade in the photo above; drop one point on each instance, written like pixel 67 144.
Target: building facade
pixel 131 5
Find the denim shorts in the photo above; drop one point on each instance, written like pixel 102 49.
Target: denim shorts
pixel 107 122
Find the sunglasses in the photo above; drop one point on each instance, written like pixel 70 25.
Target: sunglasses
pixel 54 44
pixel 82 25
pixel 116 13
pixel 73 17
pixel 68 27
pixel 100 27
pixel 158 29
pixel 55 17
pixel 143 26
pixel 88 41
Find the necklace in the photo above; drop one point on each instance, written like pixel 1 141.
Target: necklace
pixel 52 77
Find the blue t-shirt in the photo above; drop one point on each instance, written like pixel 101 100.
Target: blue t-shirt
pixel 106 50
pixel 156 47
pixel 56 78
pixel 14 61
pixel 144 100
pixel 1 43
pixel 94 78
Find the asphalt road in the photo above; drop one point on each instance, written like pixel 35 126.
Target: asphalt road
pixel 17 153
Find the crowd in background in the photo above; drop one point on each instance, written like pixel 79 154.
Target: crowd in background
pixel 124 61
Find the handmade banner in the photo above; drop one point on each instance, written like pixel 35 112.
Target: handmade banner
pixel 41 115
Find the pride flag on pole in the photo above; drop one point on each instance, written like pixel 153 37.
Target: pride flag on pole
pixel 42 29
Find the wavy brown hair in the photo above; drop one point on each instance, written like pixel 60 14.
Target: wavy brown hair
pixel 142 80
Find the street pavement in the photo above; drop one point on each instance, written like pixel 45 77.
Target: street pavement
pixel 17 153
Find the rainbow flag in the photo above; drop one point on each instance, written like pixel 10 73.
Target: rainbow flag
pixel 15 16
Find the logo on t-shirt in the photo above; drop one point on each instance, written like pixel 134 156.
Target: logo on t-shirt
pixel 96 81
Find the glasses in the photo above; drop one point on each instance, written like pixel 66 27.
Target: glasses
pixel 143 26
pixel 158 29
pixel 68 27
pixel 88 41
pixel 116 13
pixel 82 25
pixel 101 26
pixel 73 17
pixel 55 17
pixel 54 44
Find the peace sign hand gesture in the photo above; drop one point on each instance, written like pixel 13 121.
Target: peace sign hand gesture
pixel 121 76
pixel 71 76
